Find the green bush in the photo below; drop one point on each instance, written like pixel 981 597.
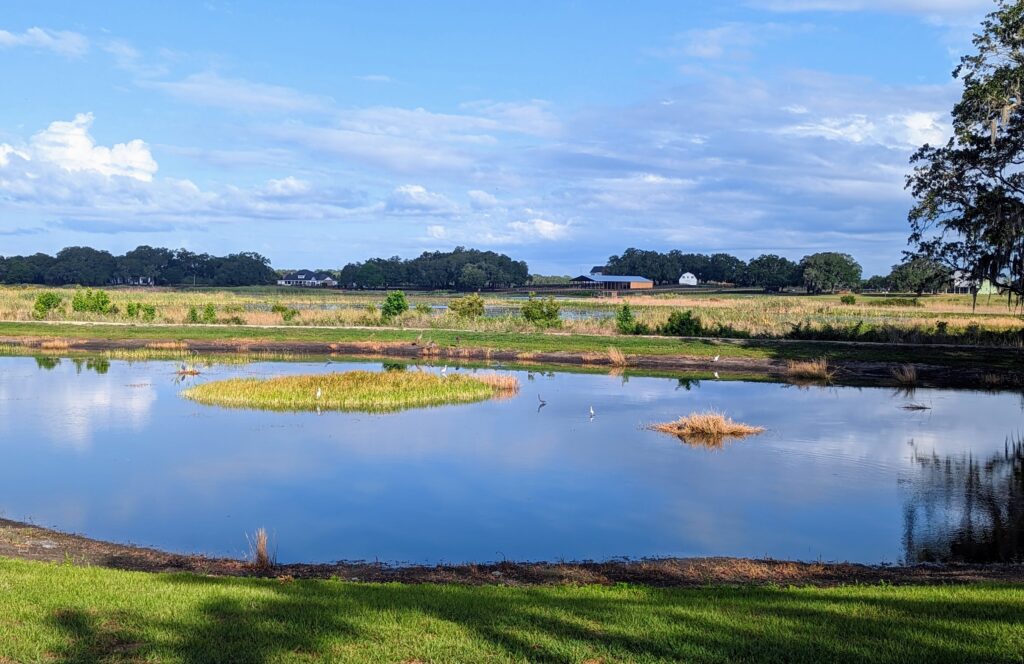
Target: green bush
pixel 133 309
pixel 148 313
pixel 468 306
pixel 96 302
pixel 682 324
pixel 209 314
pixel 898 302
pixel 848 299
pixel 193 315
pixel 287 313
pixel 625 320
pixel 543 312
pixel 45 303
pixel 423 309
pixel 395 304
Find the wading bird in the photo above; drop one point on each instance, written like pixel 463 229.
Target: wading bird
pixel 444 370
pixel 318 393
pixel 542 403
pixel 591 412
pixel 716 358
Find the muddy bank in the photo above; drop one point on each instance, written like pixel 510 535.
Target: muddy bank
pixel 28 542
pixel 845 372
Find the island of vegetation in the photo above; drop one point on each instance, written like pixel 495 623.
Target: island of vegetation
pixel 365 391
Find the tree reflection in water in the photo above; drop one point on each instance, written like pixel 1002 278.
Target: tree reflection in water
pixel 962 509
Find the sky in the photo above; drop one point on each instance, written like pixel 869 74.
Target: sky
pixel 560 133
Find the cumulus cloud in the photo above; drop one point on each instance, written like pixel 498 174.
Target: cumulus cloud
pixel 286 187
pixel 70 146
pixel 533 230
pixel 730 39
pixel 481 200
pixel 62 42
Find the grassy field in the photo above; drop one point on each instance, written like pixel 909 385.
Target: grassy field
pixel 944 318
pixel 365 391
pixel 524 343
pixel 54 612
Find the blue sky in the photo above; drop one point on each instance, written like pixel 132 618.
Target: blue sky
pixel 318 133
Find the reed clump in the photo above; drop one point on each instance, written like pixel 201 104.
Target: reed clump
pixel 259 549
pixel 616 357
pixel 810 370
pixel 708 429
pixel 905 375
pixel 364 391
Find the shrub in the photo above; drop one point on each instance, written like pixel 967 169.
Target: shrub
pixel 682 324
pixel 395 304
pixel 148 313
pixel 469 306
pixel 899 302
pixel 543 312
pixel 625 320
pixel 287 313
pixel 45 303
pixel 133 309
pixel 423 309
pixel 848 299
pixel 209 314
pixel 96 302
pixel 193 315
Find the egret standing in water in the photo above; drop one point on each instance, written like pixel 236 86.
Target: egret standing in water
pixel 591 412
pixel 444 371
pixel 318 394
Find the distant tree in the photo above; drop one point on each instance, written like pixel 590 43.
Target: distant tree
pixel 919 274
pixel 724 268
pixel 771 272
pixel 876 283
pixel 395 304
pixel 81 265
pixel 471 277
pixel 830 271
pixel 969 193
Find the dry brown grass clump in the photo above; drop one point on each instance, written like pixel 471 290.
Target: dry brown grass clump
pixel 55 344
pixel 810 369
pixel 709 429
pixel 503 384
pixel 167 345
pixel 259 547
pixel 905 375
pixel 616 357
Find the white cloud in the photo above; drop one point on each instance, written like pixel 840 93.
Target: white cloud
pixel 896 130
pixel 70 146
pixel 538 229
pixel 481 200
pixel 287 187
pixel 375 78
pixel 211 89
pixel 415 199
pixel 62 42
pixel 437 232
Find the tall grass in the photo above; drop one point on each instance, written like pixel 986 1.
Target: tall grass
pixel 616 357
pixel 905 375
pixel 365 391
pixel 259 549
pixel 810 370
pixel 708 429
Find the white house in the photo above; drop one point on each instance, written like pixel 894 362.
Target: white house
pixel 688 279
pixel 307 279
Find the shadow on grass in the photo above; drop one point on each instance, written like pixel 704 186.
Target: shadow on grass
pixel 270 621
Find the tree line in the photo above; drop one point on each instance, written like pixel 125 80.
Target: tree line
pixel 144 265
pixel 460 269
pixel 826 271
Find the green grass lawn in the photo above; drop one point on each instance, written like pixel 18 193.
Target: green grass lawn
pixel 1007 358
pixel 54 612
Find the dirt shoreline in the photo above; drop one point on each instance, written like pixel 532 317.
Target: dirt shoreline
pixel 29 542
pixel 846 372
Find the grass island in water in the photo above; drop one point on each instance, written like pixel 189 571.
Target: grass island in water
pixel 367 391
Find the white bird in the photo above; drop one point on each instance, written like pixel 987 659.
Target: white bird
pixel 591 412
pixel 716 375
pixel 444 370
pixel 318 393
pixel 716 358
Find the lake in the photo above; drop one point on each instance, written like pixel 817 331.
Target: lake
pixel 110 450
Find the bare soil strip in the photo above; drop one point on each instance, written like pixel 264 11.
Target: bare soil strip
pixel 28 542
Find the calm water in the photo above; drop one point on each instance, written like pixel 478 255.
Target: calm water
pixel 110 450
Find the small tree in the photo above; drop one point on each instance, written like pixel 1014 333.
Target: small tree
pixel 209 314
pixel 543 312
pixel 682 324
pixel 45 303
pixel 395 304
pixel 469 306
pixel 625 320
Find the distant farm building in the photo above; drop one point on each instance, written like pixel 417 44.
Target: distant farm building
pixel 961 284
pixel 688 279
pixel 307 279
pixel 132 281
pixel 610 282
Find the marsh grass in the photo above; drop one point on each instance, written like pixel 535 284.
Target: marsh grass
pixel 810 370
pixel 365 391
pixel 905 375
pixel 616 357
pixel 259 549
pixel 707 429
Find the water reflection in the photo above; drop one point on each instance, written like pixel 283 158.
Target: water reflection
pixel 967 509
pixel 111 450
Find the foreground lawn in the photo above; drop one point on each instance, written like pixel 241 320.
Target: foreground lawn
pixel 536 342
pixel 67 613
